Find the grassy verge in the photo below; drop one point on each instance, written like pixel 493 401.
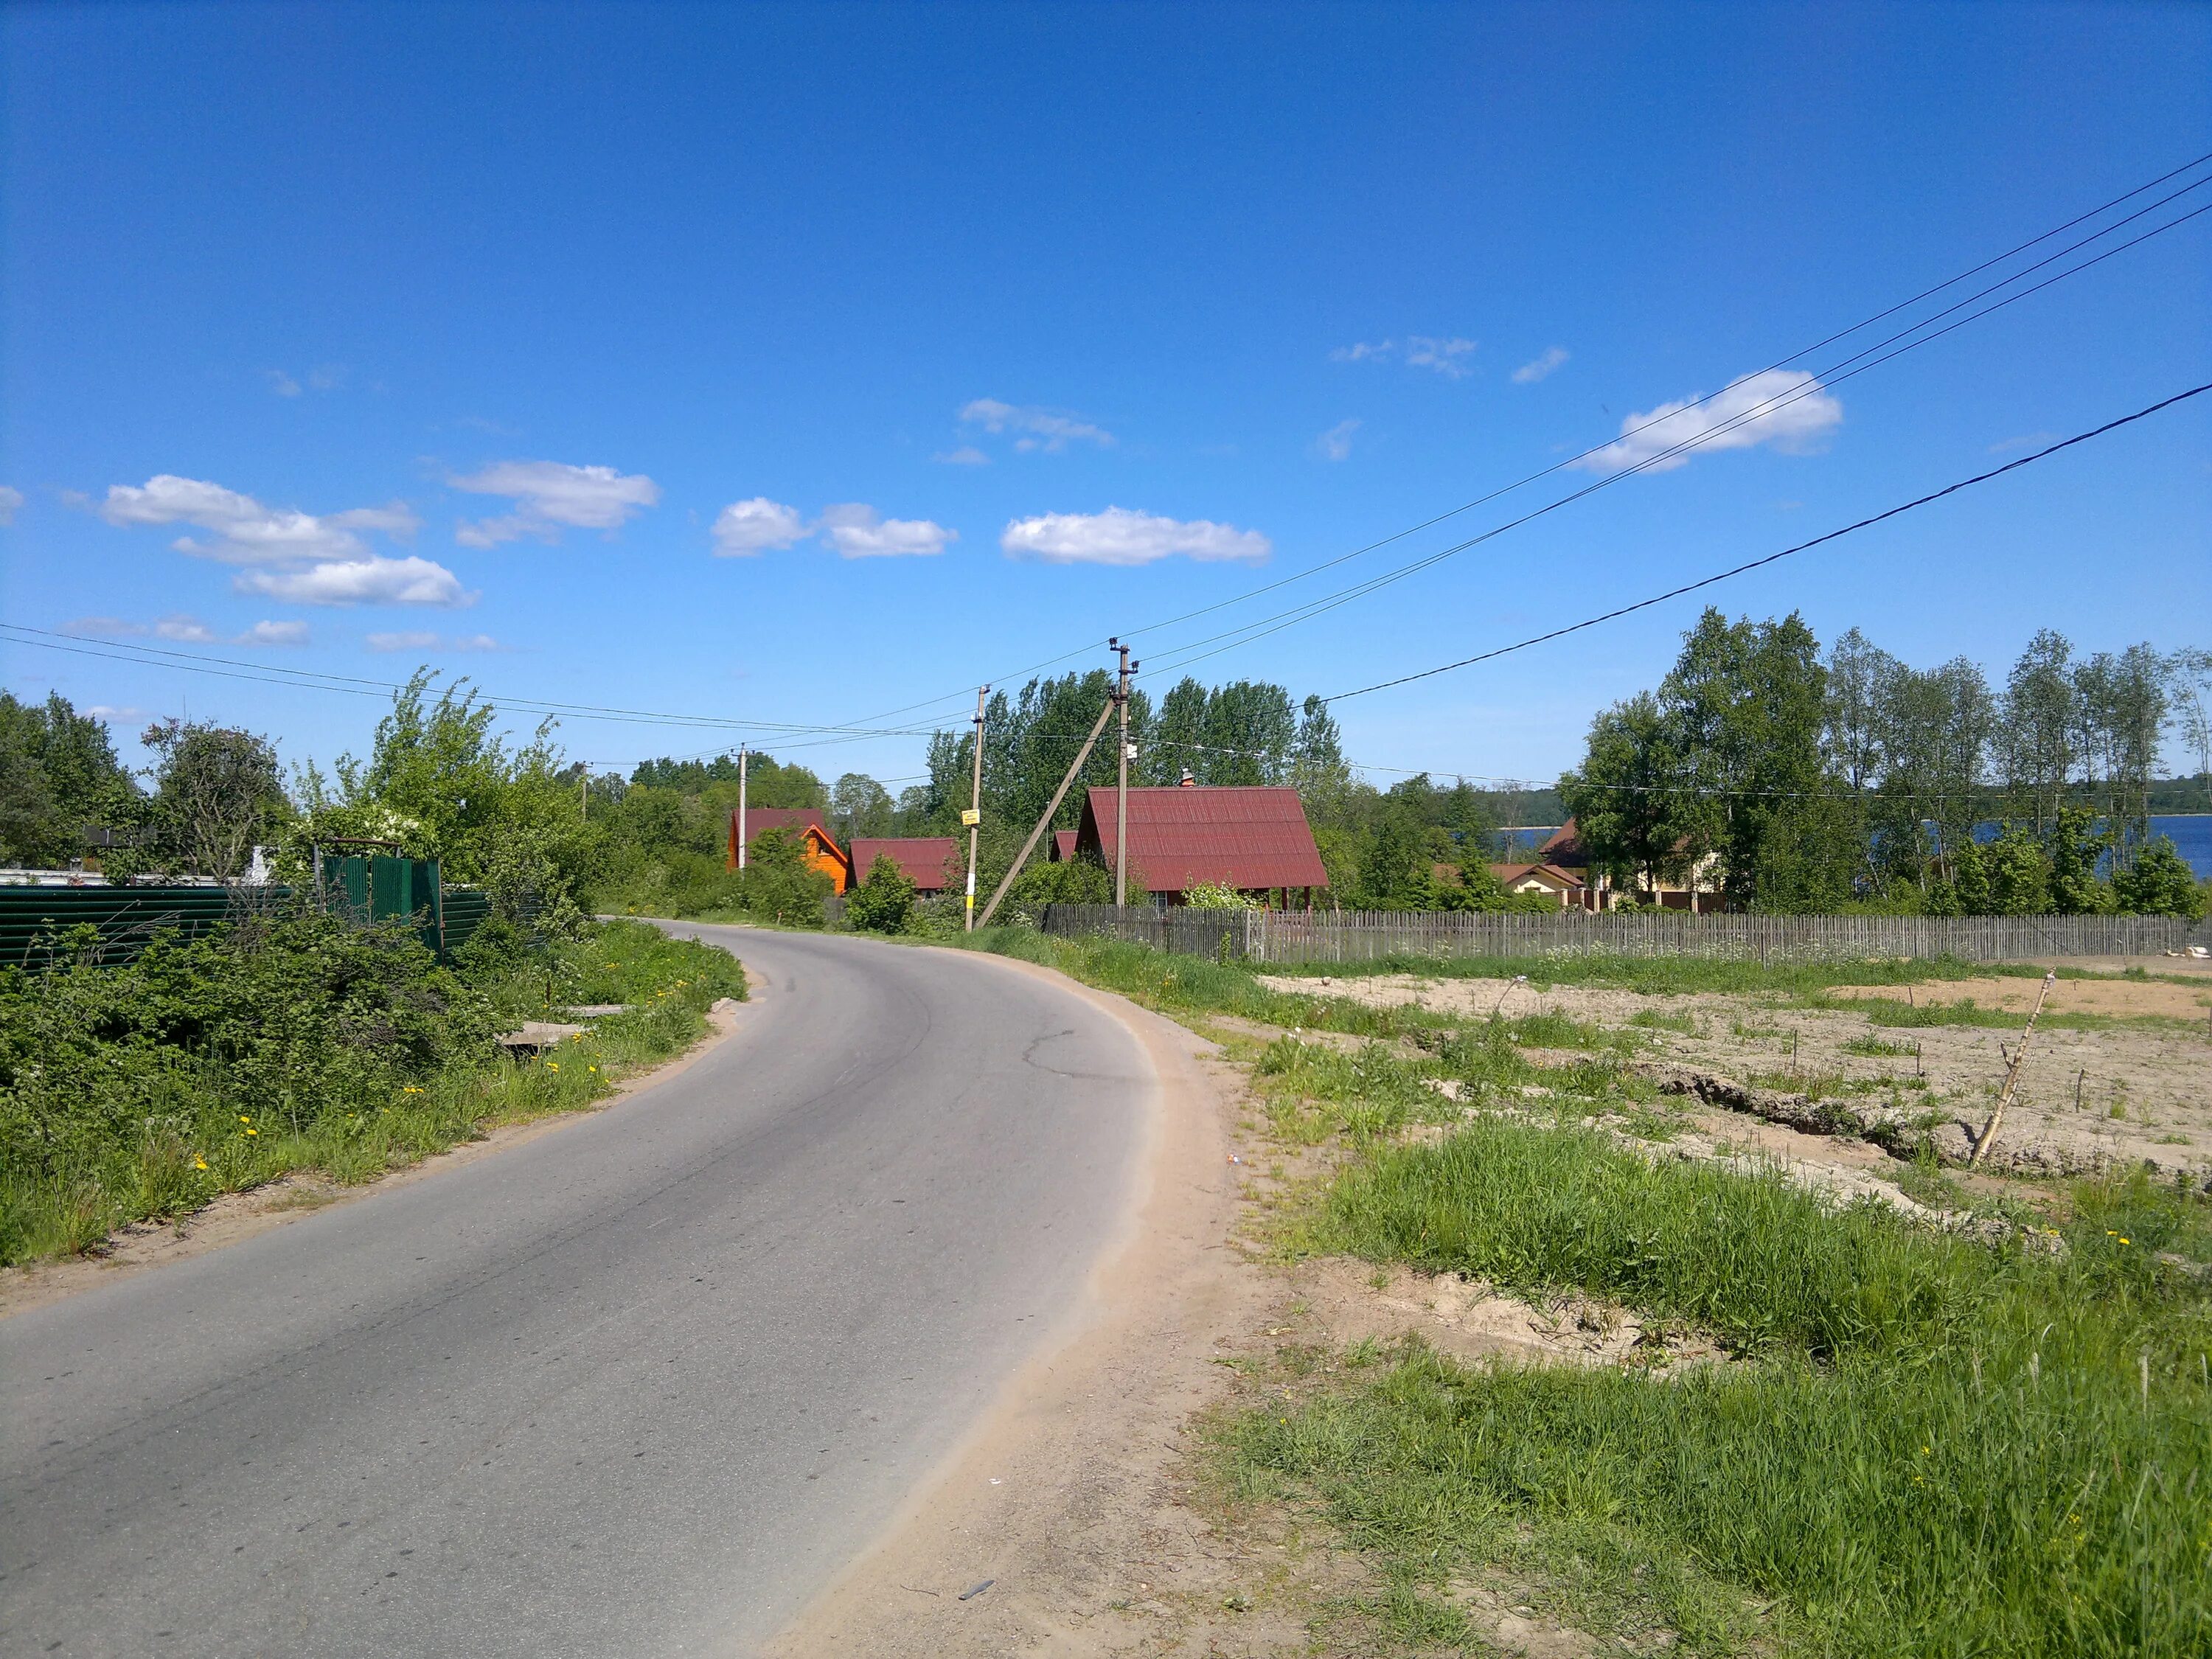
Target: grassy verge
pixel 214 1067
pixel 1921 1443
pixel 1926 1445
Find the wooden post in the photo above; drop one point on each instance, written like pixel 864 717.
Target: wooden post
pixel 1052 806
pixel 2012 1075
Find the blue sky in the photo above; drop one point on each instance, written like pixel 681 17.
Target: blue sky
pixel 787 364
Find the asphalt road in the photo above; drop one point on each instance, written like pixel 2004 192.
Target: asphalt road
pixel 636 1387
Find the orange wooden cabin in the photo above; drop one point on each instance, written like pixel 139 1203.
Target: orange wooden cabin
pixel 822 852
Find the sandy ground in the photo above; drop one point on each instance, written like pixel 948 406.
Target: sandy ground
pixel 236 1216
pixel 2114 1094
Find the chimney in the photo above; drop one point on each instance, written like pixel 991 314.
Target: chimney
pixel 1188 782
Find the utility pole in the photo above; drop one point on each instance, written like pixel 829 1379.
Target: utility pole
pixel 741 806
pixel 584 790
pixel 973 818
pixel 1121 782
pixel 1105 709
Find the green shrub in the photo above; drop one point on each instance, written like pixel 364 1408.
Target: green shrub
pixel 883 901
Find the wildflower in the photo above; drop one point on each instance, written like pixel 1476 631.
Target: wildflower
pixel 552 1064
pixel 2122 1239
pixel 252 1131
pixel 242 1118
pixel 595 1068
pixel 199 1163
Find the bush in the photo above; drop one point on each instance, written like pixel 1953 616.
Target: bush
pixel 884 901
pixel 2159 884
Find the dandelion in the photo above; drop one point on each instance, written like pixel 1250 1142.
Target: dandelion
pixel 595 1068
pixel 242 1118
pixel 552 1064
pixel 250 1130
pixel 2122 1239
pixel 199 1163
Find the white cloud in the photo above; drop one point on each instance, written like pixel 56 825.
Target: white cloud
pixel 280 382
pixel 966 455
pixel 423 641
pixel 10 499
pixel 744 528
pixel 1335 444
pixel 370 581
pixel 853 531
pixel 1120 537
pixel 180 628
pixel 1048 430
pixel 551 495
pixel 245 532
pixel 1447 354
pixel 275 633
pixel 1777 406
pixel 109 711
pixel 1529 373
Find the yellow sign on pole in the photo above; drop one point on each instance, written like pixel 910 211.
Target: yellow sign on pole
pixel 969 818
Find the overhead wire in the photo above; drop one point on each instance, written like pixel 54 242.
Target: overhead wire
pixel 1246 633
pixel 1632 431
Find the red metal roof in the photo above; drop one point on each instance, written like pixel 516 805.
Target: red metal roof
pixel 1063 845
pixel 1246 838
pixel 928 861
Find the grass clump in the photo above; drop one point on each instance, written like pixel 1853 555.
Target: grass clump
pixel 294 1042
pixel 1931 1445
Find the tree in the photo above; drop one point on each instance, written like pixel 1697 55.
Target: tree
pixel 1746 701
pixel 884 898
pixel 861 806
pixel 2073 850
pixel 2037 729
pixel 1626 799
pixel 219 793
pixel 58 775
pixel 2019 877
pixel 2190 683
pixel 2158 883
pixel 1394 870
pixel 1317 762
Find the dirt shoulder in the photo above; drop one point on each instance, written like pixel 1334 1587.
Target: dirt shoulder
pixel 237 1216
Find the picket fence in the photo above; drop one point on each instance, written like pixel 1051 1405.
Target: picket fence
pixel 1285 937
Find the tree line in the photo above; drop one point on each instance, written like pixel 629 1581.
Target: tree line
pixel 1799 779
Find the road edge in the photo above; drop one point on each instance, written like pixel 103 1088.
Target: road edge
pixel 1012 1500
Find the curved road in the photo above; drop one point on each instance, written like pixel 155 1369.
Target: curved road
pixel 636 1387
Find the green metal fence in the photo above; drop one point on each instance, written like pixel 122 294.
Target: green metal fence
pixel 33 920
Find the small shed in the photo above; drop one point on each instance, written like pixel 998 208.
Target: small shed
pixel 931 863
pixel 823 853
pixel 1253 839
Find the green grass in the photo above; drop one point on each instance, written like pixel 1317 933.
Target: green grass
pixel 1929 1446
pixel 205 1125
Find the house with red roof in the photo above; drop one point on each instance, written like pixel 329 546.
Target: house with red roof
pixel 931 863
pixel 821 851
pixel 1253 839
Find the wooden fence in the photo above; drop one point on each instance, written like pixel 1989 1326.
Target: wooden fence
pixel 1277 936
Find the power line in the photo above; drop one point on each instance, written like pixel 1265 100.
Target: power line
pixel 1754 564
pixel 1571 461
pixel 353 685
pixel 1246 633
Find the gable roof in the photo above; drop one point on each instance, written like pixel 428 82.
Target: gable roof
pixel 927 860
pixel 1550 874
pixel 1246 838
pixel 759 820
pixel 1063 845
pixel 1563 846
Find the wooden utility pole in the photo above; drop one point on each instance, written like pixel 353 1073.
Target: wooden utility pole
pixel 1029 845
pixel 584 788
pixel 1121 782
pixel 741 806
pixel 973 818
